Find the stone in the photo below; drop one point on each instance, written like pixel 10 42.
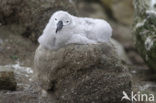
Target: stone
pixel 82 73
pixel 144 30
pixel 123 11
pixel 94 10
pixel 33 15
pixel 119 49
pixel 117 10
pixel 123 34
pixel 7 79
pixel 31 95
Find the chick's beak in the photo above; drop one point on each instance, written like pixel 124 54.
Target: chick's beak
pixel 59 26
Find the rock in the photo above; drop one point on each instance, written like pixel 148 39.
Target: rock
pixel 7 79
pixel 94 10
pixel 32 14
pixel 14 47
pixel 120 51
pixel 27 91
pixel 115 10
pixel 82 73
pixel 123 11
pixel 144 30
pixel 32 95
pixel 107 5
pixel 123 34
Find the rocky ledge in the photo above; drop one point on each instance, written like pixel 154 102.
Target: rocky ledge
pixel 82 73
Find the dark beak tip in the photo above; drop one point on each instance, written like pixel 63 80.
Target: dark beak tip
pixel 56 30
pixel 59 26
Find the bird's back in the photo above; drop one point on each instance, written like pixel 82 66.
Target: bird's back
pixel 96 29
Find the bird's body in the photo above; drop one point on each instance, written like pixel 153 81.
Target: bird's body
pixel 63 29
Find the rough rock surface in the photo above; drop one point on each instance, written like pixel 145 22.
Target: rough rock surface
pixel 7 79
pixel 144 30
pixel 33 14
pixel 82 73
pixel 27 91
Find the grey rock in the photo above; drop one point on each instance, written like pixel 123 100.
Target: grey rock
pixel 32 95
pixel 120 51
pixel 7 79
pixel 144 30
pixel 82 73
pixel 27 91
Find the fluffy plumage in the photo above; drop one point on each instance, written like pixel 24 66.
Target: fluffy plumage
pixel 64 28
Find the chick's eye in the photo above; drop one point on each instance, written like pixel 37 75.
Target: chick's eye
pixel 55 19
pixel 67 21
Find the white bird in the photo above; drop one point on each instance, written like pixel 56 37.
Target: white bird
pixel 64 28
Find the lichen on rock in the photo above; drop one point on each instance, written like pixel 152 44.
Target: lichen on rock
pixel 144 30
